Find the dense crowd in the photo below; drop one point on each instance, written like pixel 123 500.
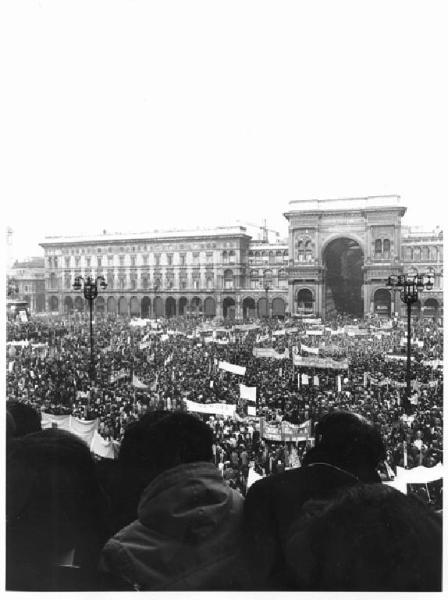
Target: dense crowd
pixel 177 359
pixel 147 369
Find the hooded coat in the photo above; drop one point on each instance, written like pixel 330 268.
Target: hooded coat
pixel 186 537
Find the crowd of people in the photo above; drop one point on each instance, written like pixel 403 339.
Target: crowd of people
pixel 148 368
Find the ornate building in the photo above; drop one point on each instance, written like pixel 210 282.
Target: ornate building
pixel 337 258
pixel 28 279
pixel 217 272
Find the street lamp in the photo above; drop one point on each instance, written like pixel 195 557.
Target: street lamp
pixel 409 286
pixel 89 287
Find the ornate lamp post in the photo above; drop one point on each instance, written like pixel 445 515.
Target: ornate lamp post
pixel 410 286
pixel 89 287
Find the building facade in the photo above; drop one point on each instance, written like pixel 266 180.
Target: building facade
pixel 27 279
pixel 337 258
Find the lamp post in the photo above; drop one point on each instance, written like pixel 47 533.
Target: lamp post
pixel 89 287
pixel 267 286
pixel 409 286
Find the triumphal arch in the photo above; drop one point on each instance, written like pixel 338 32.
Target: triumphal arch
pixel 341 253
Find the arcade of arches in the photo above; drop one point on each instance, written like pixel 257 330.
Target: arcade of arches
pixel 170 306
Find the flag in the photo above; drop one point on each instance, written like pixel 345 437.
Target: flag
pixel 211 383
pixel 304 379
pixel 339 384
pixel 298 381
pixel 365 379
pixel 316 380
pixel 138 384
pixel 251 411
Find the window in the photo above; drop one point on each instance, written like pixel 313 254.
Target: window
pixel 77 260
pixel 110 260
pixel 133 283
pixel 132 261
pixel 232 256
pixel 386 248
pixel 209 258
pixel 56 262
pixel 110 279
pixel 378 248
pixel 145 259
pixel 169 259
pixel 67 261
pixel 182 260
pixel 225 257
pixel 228 279
pixel 195 258
pixel 99 261
pixel 157 260
pixel 121 259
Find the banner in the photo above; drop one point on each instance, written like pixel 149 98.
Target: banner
pixel 270 353
pixel 252 477
pixel 24 343
pixel 417 475
pixel 138 384
pixel 279 332
pixel 313 332
pixel 120 375
pixel 211 409
pixel 309 349
pixel 236 369
pixel 248 393
pixel 354 330
pixel 312 320
pixel 82 429
pixel 144 345
pixel 251 411
pixel 284 431
pixel 401 357
pixel 104 448
pixel 321 363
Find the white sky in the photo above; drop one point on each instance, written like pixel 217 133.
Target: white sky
pixel 136 115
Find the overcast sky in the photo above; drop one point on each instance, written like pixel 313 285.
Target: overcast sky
pixel 137 115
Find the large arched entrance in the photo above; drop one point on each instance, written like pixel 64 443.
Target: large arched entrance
pixel 249 309
pixel 416 309
pixel 54 303
pixel 111 305
pixel 228 308
pixel 135 307
pixel 278 307
pixel 170 307
pixel 158 307
pixel 382 302
pixel 431 308
pixel 145 307
pixel 343 260
pixel 68 304
pixel 40 303
pixel 209 307
pixel 305 303
pixel 183 303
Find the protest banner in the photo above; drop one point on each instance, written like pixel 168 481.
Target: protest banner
pixel 236 369
pixel 248 393
pixel 270 353
pixel 138 384
pixel 309 349
pixel 217 408
pixel 321 363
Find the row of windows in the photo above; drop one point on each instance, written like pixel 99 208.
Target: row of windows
pixel 422 253
pixel 121 249
pixel 166 259
pixel 382 248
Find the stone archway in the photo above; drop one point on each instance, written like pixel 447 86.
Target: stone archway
pixel 431 308
pixel 123 306
pixel 263 307
pixel 53 303
pixel 111 305
pixel 343 260
pixel 183 305
pixel 209 307
pixel 278 307
pixel 100 304
pixel 145 307
pixel 228 308
pixel 68 304
pixel 134 307
pixel 249 308
pixel 79 303
pixel 196 306
pixel 382 302
pixel 158 307
pixel 170 307
pixel 305 301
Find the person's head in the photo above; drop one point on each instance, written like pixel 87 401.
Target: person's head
pixel 369 538
pixel 349 441
pixel 26 418
pixel 53 502
pixel 162 440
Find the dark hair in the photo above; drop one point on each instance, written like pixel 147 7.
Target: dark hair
pixel 347 440
pixel 53 503
pixel 165 439
pixel 26 418
pixel 369 538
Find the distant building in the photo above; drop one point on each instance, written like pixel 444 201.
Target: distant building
pixel 28 282
pixel 337 258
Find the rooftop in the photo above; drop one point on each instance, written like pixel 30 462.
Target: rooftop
pixel 339 204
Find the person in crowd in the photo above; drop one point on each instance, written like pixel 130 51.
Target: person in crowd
pixel 187 532
pixel 347 452
pixel 55 509
pixel 26 417
pixel 368 538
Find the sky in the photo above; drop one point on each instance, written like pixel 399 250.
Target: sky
pixel 130 116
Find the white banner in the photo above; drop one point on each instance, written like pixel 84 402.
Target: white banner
pixel 138 384
pixel 321 363
pixel 83 429
pixel 248 393
pixel 251 411
pixel 309 349
pixel 211 409
pixel 236 369
pixel 102 447
pixel 270 353
pixel 313 332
